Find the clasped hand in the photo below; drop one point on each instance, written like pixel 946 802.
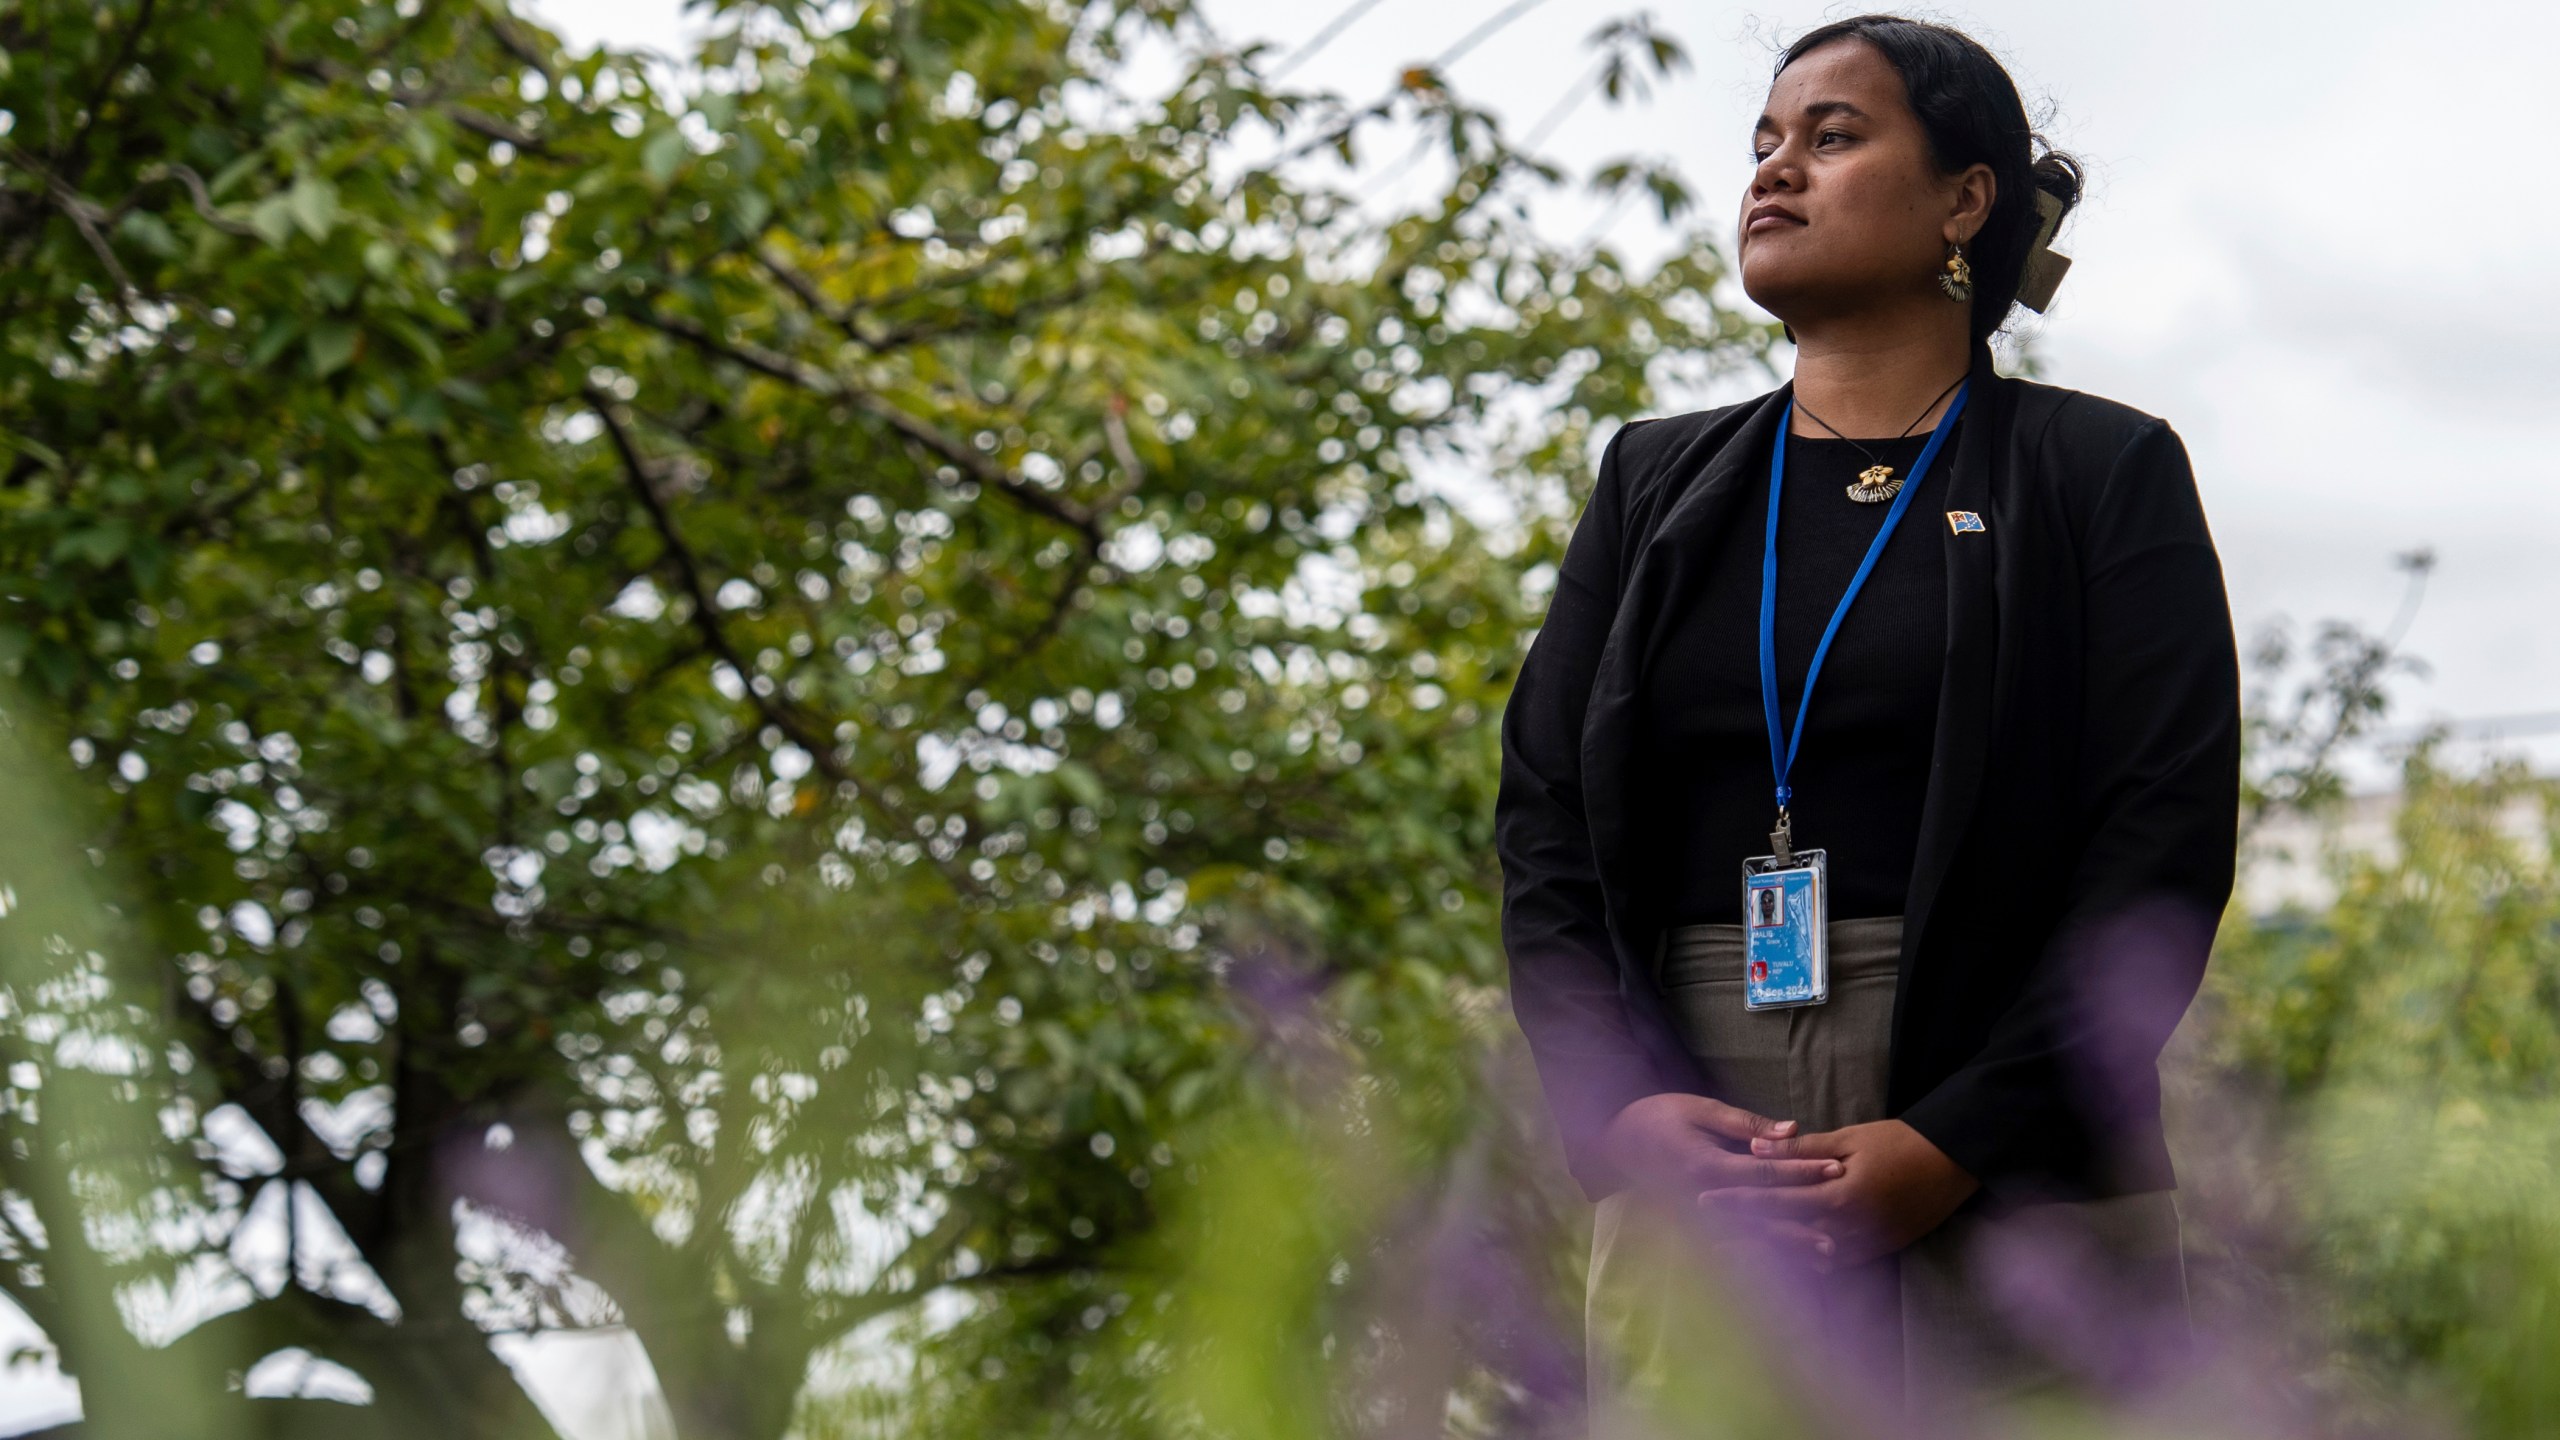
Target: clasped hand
pixel 1845 1196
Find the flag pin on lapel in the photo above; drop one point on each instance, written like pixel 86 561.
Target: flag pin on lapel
pixel 1964 522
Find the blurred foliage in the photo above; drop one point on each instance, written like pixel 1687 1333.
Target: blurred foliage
pixel 721 682
pixel 2399 1046
pixel 2434 966
pixel 2299 717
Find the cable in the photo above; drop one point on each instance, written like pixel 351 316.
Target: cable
pixel 1571 101
pixel 1485 31
pixel 1324 37
pixel 1378 110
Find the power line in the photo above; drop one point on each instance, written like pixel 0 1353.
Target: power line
pixel 1485 31
pixel 1325 36
pixel 1571 101
pixel 2486 727
pixel 1379 108
pixel 1351 14
pixel 1581 91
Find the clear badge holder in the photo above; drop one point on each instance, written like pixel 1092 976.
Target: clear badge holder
pixel 1786 911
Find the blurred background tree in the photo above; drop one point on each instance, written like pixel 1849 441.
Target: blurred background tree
pixel 2375 1140
pixel 729 708
pixel 2365 1088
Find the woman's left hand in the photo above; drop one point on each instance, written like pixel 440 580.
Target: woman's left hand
pixel 1894 1188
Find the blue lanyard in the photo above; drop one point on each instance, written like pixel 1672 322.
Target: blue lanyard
pixel 1783 760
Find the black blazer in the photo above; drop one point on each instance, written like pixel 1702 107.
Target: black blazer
pixel 2078 837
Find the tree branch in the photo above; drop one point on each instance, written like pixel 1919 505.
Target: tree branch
pixel 486 127
pixel 979 318
pixel 76 153
pixel 917 432
pixel 84 213
pixel 1039 635
pixel 203 201
pixel 517 46
pixel 820 744
pixel 754 357
pixel 490 128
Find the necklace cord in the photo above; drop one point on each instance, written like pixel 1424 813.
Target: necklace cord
pixel 1906 430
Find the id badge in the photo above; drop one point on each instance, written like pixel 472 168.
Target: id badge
pixel 1786 907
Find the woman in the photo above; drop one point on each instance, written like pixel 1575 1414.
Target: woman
pixel 2020 766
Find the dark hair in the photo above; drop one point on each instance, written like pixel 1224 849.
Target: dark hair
pixel 1969 108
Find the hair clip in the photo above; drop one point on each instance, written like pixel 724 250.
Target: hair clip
pixel 2045 267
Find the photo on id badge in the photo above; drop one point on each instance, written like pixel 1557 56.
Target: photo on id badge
pixel 1784 940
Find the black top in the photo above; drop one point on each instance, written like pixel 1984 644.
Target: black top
pixel 2079 825
pixel 1863 768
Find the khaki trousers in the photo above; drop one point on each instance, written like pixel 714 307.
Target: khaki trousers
pixel 1691 1334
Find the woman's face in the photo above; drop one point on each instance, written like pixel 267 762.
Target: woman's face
pixel 1846 210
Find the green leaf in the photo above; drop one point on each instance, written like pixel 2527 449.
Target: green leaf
pixel 148 558
pixel 279 333
pixel 333 343
pixel 1671 196
pixel 32 448
pixel 272 218
pixel 314 203
pixel 99 545
pixel 409 333
pixel 1059 1041
pixel 1079 781
pixel 235 172
pixel 665 151
pixel 424 409
pixel 1188 1091
pixel 151 233
pixel 1126 1090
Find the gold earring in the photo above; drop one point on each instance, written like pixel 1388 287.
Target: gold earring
pixel 1957 278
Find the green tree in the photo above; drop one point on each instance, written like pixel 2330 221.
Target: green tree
pixel 2370 1129
pixel 2390 1056
pixel 722 683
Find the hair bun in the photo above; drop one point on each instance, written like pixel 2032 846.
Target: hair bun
pixel 2059 175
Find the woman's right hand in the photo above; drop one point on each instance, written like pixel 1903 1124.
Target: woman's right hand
pixel 1681 1144
pixel 1677 1146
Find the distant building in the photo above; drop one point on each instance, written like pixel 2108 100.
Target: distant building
pixel 2292 859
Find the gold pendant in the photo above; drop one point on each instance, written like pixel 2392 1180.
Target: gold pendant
pixel 1876 484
